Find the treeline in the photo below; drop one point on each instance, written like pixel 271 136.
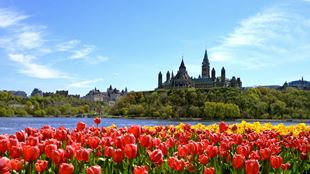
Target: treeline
pixel 56 105
pixel 221 103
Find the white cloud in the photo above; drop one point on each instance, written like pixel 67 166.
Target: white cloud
pixel 84 84
pixel 20 58
pixel 65 46
pixel 28 45
pixel 9 18
pixel 35 70
pixel 82 53
pixel 29 39
pixel 269 38
pixel 102 58
pixel 97 59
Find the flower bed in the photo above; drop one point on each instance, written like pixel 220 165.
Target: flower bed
pixel 219 148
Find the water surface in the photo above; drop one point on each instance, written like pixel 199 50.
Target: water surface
pixel 9 125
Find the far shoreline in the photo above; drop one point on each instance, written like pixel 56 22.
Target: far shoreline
pixel 170 119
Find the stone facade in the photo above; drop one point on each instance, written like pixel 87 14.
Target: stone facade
pixel 183 80
pixel 300 84
pixel 111 95
pixel 19 93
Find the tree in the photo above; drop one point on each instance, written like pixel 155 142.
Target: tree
pixel 278 108
pixel 39 113
pixel 193 111
pixel 20 112
pixel 210 110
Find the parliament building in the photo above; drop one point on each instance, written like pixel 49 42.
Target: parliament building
pixel 205 80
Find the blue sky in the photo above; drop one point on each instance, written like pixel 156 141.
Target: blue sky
pixel 79 45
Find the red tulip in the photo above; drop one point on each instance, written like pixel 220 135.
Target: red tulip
pixel 183 150
pixel 93 142
pixel 58 156
pixel 97 120
pixel 265 153
pixel 80 126
pixel 172 162
pixel 135 130
pixel 234 128
pixel 117 142
pixel 21 136
pixel 157 157
pixel 156 141
pixel 61 134
pixel 203 159
pixel 215 138
pixel 49 149
pixel 238 161
pixel 5 165
pixel 4 145
pixel 209 170
pixel 69 152
pixel 32 141
pixel 163 147
pixel 17 164
pixel 192 148
pixel 82 154
pixel 31 153
pixel 275 161
pixel 16 151
pixel 117 155
pixel 223 126
pixel 140 170
pixel 285 166
pixel 129 139
pixel 146 141
pixel 254 155
pixel 41 165
pixel 13 142
pixel 303 156
pixel 176 164
pixel 108 151
pixel 66 168
pixel 212 151
pixel 130 151
pixel 200 147
pixel 252 166
pixel 94 169
pixel 243 150
pixel 170 142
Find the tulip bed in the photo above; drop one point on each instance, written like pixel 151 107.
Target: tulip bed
pixel 219 148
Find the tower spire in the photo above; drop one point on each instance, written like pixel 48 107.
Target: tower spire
pixel 182 66
pixel 205 69
pixel 205 58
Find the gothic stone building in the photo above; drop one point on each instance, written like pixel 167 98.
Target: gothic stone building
pixel 110 95
pixel 205 80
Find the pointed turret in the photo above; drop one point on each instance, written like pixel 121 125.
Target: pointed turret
pixel 182 65
pixel 205 58
pixel 172 75
pixel 213 74
pixel 223 75
pixel 160 80
pixel 205 69
pixel 168 76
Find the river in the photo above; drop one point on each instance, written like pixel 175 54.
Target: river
pixel 9 125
